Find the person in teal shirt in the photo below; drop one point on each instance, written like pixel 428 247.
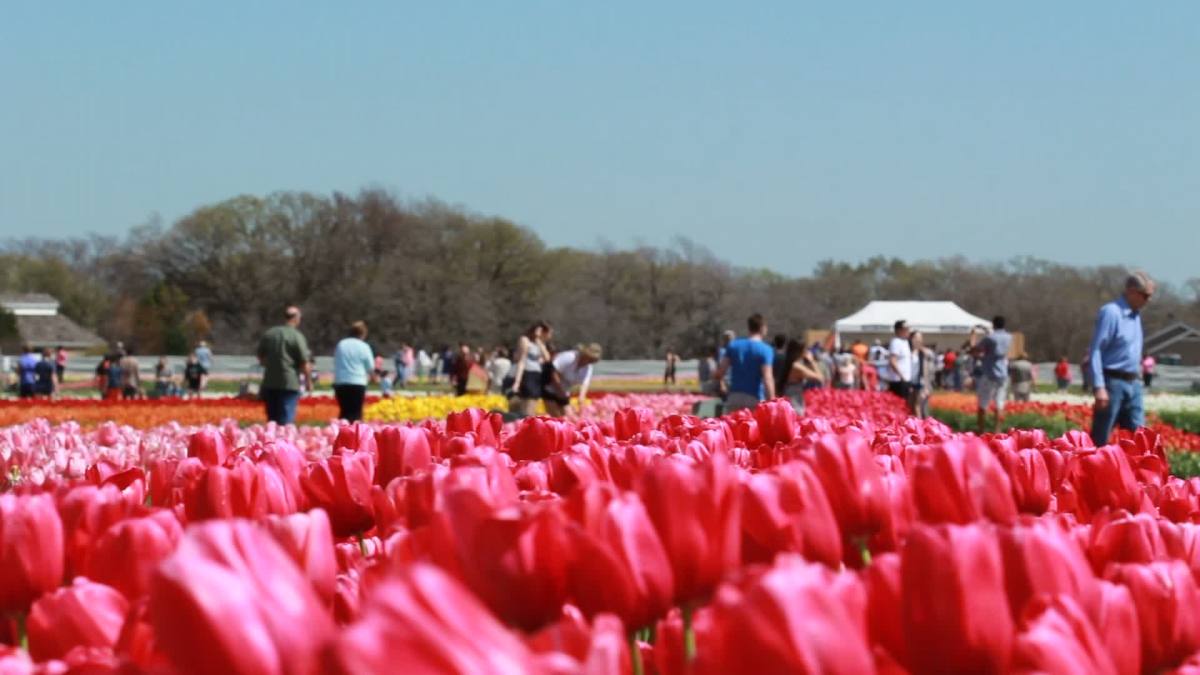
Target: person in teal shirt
pixel 353 370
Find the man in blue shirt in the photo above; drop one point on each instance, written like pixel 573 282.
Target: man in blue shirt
pixel 27 372
pixel 748 361
pixel 1115 354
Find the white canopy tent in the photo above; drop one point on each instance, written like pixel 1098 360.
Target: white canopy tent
pixel 932 317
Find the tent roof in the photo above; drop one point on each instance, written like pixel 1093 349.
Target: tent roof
pixel 928 316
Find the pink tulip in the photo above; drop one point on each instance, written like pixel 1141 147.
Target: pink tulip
pixel 308 539
pixel 341 485
pixel 84 614
pixel 1166 595
pixel 209 447
pixel 425 622
pixel 126 555
pixel 796 618
pixel 230 600
pixel 618 563
pixel 956 613
pixel 697 513
pixel 402 452
pixel 31 550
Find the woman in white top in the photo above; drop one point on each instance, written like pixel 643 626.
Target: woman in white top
pixel 498 368
pixel 531 355
pixel 567 370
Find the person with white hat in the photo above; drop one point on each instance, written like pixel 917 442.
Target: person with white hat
pixel 570 368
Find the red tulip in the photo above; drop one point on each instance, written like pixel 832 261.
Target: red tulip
pixel 342 486
pixel 697 512
pixel 539 438
pixel 238 491
pixel 1041 559
pixel 308 539
pixel 1122 538
pixel 424 622
pixel 486 472
pixel 797 617
pixel 402 452
pixel 631 422
pixel 87 512
pixel 1030 479
pixel 787 510
pixel 901 512
pixel 84 614
pixel 126 555
pixel 570 645
pixel 885 622
pixel 486 426
pixel 854 485
pixel 514 558
pixel 209 447
pixel 1116 620
pixel 358 436
pixel 572 469
pixel 533 477
pixel 1103 478
pixel 291 465
pixel 777 421
pixel 956 614
pixel 1060 640
pixel 1166 598
pixel 962 482
pixel 230 600
pixel 31 550
pixel 618 563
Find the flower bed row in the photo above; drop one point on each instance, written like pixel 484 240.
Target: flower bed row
pixel 1077 415
pixel 852 541
pixel 150 413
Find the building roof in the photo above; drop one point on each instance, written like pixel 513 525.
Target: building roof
pixel 27 299
pixel 55 330
pixel 878 316
pixel 1171 335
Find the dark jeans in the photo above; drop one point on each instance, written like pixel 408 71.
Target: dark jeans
pixel 281 405
pixel 350 400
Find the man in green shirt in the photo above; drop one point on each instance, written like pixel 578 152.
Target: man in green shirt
pixel 284 355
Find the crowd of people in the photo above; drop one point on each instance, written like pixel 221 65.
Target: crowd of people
pixel 742 370
pixel 537 372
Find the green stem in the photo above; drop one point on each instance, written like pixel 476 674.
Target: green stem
pixel 864 551
pixel 635 654
pixel 689 637
pixel 22 632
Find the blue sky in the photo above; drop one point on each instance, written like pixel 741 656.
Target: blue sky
pixel 776 134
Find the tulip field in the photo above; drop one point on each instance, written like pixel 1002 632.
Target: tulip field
pixel 632 538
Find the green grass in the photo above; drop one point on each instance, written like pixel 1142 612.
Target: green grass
pixel 1184 420
pixel 967 421
pixel 1184 464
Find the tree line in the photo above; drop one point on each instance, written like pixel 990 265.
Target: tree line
pixel 429 274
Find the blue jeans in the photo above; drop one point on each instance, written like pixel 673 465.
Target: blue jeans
pixel 1124 409
pixel 281 405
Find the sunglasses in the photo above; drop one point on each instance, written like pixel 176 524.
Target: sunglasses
pixel 1142 293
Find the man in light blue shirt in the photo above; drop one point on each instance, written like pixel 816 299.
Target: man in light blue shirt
pixel 353 368
pixel 1115 357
